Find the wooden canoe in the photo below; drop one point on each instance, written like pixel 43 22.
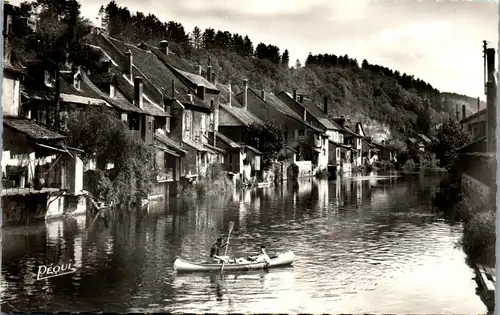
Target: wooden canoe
pixel 284 259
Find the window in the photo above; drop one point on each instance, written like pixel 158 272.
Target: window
pixel 77 83
pixel 301 133
pixel 203 123
pixel 150 124
pixel 47 78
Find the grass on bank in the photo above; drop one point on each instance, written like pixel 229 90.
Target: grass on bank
pixel 215 181
pixel 479 234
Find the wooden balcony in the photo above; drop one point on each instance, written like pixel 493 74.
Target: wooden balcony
pixel 136 135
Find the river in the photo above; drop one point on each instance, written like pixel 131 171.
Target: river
pixel 372 244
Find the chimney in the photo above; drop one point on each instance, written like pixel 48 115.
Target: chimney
pixel 491 96
pixel 325 105
pixel 199 70
pixel 294 94
pixel 301 98
pixel 190 96
pixel 200 90
pixel 166 108
pixel 138 87
pixel 478 104
pixel 463 111
pixel 129 65
pixel 245 93
pixel 209 73
pixel 173 88
pixel 229 94
pixel 263 94
pixel 164 45
pixel 112 87
pixel 305 115
pixel 8 28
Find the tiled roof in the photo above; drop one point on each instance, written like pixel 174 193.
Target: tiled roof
pixel 171 59
pixel 118 101
pixel 214 148
pixel 228 141
pixel 197 79
pixel 154 70
pixel 67 87
pixel 351 132
pixel 165 139
pixel 315 111
pixel 224 96
pixel 473 115
pixel 128 90
pixel 243 115
pixel 78 99
pixel 252 149
pixel 274 101
pixel 425 138
pixel 195 145
pixel 31 129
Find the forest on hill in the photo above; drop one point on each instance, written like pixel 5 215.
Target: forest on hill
pixel 378 96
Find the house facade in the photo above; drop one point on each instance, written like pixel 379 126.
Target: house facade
pixel 242 161
pixel 318 118
pixel 183 115
pixel 304 145
pixel 475 124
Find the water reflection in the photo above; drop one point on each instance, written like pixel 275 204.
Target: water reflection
pixel 363 244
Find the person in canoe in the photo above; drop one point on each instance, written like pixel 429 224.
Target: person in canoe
pixel 262 257
pixel 214 252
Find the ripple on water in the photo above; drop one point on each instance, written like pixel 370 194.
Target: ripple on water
pixel 386 252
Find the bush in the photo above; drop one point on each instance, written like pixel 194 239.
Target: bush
pixel 106 139
pixel 98 184
pixel 322 174
pixel 383 165
pixel 214 182
pixel 409 166
pixel 479 234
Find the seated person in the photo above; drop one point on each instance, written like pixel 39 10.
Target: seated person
pixel 214 252
pixel 262 256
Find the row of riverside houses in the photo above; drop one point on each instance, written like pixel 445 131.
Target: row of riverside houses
pixel 189 118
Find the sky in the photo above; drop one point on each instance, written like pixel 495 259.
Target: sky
pixel 438 41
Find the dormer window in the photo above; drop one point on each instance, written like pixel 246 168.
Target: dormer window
pixel 77 78
pixel 47 78
pixel 76 83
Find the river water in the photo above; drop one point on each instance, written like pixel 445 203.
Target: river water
pixel 372 244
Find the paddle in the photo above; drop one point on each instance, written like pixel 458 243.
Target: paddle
pixel 231 226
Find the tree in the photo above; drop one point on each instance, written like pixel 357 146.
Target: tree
pixel 268 139
pixel 104 137
pixel 285 58
pixel 248 47
pixel 450 137
pixel 59 39
pixel 196 37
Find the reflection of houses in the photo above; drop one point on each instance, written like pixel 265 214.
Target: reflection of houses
pixel 241 159
pixel 318 118
pixel 301 138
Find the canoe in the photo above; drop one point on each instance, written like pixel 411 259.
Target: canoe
pixel 284 259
